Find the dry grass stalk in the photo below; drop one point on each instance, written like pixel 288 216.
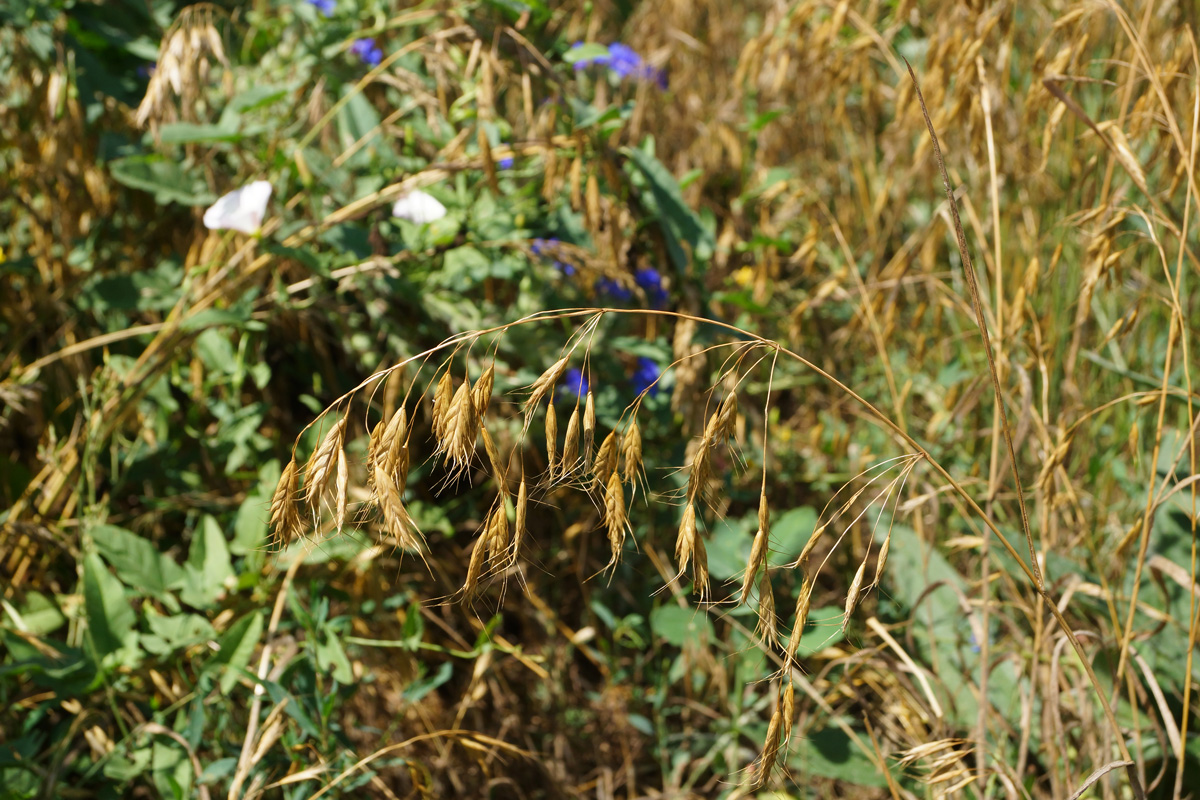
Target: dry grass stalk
pixel 285 516
pixel 758 550
pixel 497 532
pixel 788 706
pixel 766 628
pixel 853 593
pixel 811 545
pixel 475 566
pixel 615 518
pixel 459 431
pixel 551 441
pixel 881 561
pixel 483 390
pixel 570 452
pixel 342 487
pixel 321 464
pixel 542 387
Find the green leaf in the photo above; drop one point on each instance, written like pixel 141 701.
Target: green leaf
pixel 677 625
pixel 830 753
pixel 332 658
pixel 679 223
pixel 136 560
pixel 208 572
pixel 39 615
pixel 170 633
pixel 166 180
pixel 587 51
pixel 189 132
pixel 790 531
pixel 234 649
pixel 109 616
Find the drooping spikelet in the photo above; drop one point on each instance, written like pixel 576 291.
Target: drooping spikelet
pixel 852 595
pixel 788 706
pixel 699 471
pixel 589 427
pixel 551 441
pixel 395 515
pixel 604 466
pixel 810 546
pixel 441 405
pixel 685 541
pixel 766 629
pixel 499 472
pixel 483 389
pixel 800 619
pixel 285 516
pixel 497 533
pixel 700 568
pixel 726 417
pixel 631 452
pixel 522 513
pixel 766 762
pixel 542 386
pixel 475 566
pixel 615 518
pixel 570 453
pixel 459 431
pixel 321 464
pixel 881 561
pixel 342 487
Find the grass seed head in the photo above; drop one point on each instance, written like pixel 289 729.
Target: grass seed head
pixel 881 561
pixel 700 567
pixel 589 426
pixel 766 628
pixel 395 515
pixel 475 565
pixel 570 452
pixel 758 555
pixel 727 417
pixel 483 389
pixel 460 429
pixel 342 487
pixel 810 545
pixel 852 595
pixel 631 451
pixel 321 464
pixel 543 385
pixel 604 466
pixel 787 705
pixel 497 533
pixel 800 619
pixel 700 471
pixel 441 404
pixel 551 440
pixel 766 762
pixel 499 471
pixel 685 542
pixel 519 528
pixel 615 518
pixel 285 517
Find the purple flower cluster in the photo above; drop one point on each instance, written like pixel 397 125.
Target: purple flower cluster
pixel 326 7
pixel 505 163
pixel 624 62
pixel 652 284
pixel 544 248
pixel 608 287
pixel 368 51
pixel 574 382
pixel 645 376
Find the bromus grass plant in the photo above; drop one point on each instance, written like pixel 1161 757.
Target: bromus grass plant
pixel 613 400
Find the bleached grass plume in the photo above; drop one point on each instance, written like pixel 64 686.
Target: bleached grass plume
pixel 419 207
pixel 241 210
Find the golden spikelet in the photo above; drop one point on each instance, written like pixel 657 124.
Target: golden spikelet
pixel 766 762
pixel 519 528
pixel 441 404
pixel 699 471
pixel 499 472
pixel 604 466
pixel 497 532
pixel 551 441
pixel 570 452
pixel 475 566
pixel 726 417
pixel 483 390
pixel 342 487
pixel 810 546
pixel 766 628
pixel 685 542
pixel 542 386
pixel 800 619
pixel 459 431
pixel 852 595
pixel 285 517
pixel 394 435
pixel 788 706
pixel 321 463
pixel 589 427
pixel 614 517
pixel 700 567
pixel 395 516
pixel 881 561
pixel 758 556
pixel 631 451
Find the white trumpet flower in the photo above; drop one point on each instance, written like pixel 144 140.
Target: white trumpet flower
pixel 418 207
pixel 241 210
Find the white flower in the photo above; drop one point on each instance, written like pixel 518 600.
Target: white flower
pixel 418 207
pixel 240 210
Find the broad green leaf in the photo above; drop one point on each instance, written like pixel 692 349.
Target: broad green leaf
pixel 678 626
pixel 109 616
pixel 830 753
pixel 790 531
pixel 208 572
pixel 332 658
pixel 234 649
pixel 136 560
pixel 189 132
pixel 679 223
pixel 170 633
pixel 166 180
pixel 39 615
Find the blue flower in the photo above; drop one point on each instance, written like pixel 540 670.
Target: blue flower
pixel 614 289
pixel 646 375
pixel 366 50
pixel 575 383
pixel 652 284
pixel 565 268
pixel 539 246
pixel 505 163
pixel 326 7
pixel 624 60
